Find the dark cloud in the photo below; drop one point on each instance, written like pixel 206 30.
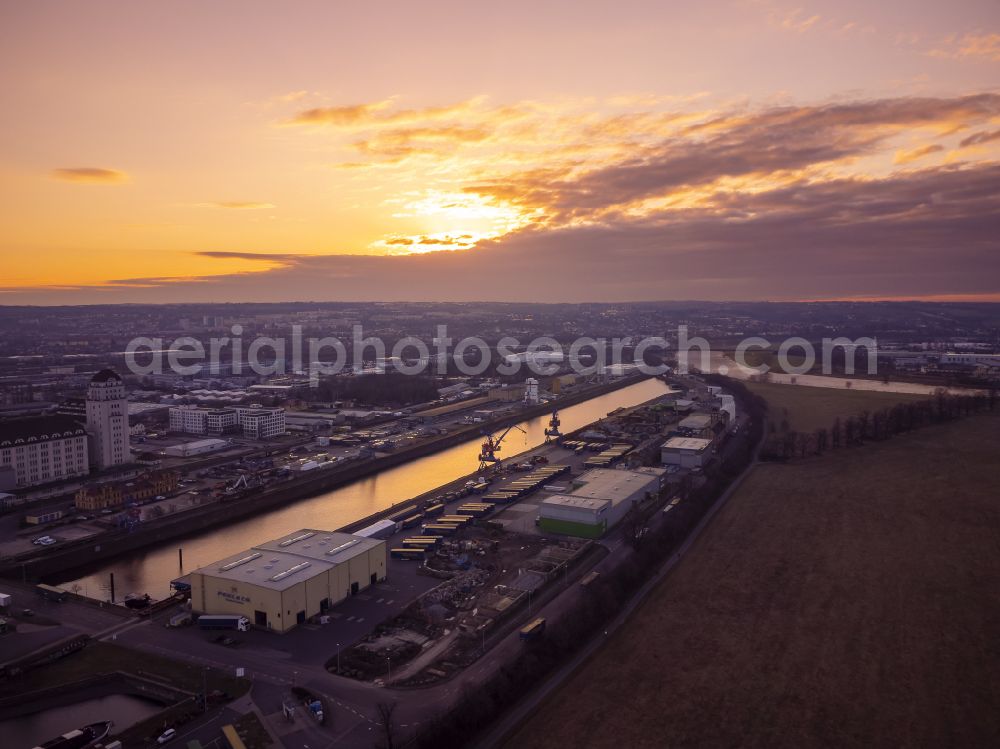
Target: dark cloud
pixel 977 139
pixel 927 232
pixel 89 175
pixel 806 235
pixel 760 143
pixel 152 282
pixel 263 256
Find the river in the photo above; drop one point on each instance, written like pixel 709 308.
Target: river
pixel 31 730
pixel 722 364
pixel 151 570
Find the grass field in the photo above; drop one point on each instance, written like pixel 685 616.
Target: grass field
pixel 810 408
pixel 848 600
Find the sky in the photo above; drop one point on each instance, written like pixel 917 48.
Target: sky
pixel 518 151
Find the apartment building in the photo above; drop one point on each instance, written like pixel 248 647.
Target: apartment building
pixel 255 422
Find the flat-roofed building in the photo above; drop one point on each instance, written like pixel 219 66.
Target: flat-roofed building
pixel 255 422
pixel 574 516
pixel 197 420
pixel 261 423
pixel 197 447
pixel 597 501
pixel 282 583
pixel 686 452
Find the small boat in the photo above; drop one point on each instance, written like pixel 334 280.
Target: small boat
pixel 79 738
pixel 134 601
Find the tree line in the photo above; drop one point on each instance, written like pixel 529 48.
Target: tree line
pixel 876 426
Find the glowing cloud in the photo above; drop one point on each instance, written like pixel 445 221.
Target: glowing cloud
pixel 905 157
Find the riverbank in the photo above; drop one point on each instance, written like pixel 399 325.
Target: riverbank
pixel 86 553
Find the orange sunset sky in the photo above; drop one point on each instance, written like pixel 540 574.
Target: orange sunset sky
pixel 570 151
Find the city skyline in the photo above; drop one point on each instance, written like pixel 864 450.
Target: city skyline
pixel 732 150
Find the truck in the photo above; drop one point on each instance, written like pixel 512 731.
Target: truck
pixel 224 621
pixel 4 601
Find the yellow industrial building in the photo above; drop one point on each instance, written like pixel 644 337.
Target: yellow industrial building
pixel 284 582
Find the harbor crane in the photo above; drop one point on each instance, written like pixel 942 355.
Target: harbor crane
pixel 491 446
pixel 552 430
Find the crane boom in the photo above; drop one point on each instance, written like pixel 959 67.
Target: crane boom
pixel 491 446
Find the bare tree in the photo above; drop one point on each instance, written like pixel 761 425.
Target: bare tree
pixel 849 431
pixel 634 526
pixel 802 443
pixel 864 419
pixel 386 723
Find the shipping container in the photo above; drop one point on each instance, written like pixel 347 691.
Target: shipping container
pixel 423 542
pixel 409 554
pixel 533 630
pixel 413 520
pixel 438 529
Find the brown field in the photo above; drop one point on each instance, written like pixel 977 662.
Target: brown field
pixel 848 600
pixel 810 408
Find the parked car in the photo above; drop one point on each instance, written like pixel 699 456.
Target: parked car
pixel 169 735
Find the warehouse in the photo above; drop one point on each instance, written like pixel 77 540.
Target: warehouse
pixel 198 447
pixel 599 500
pixel 574 516
pixel 282 583
pixel 686 452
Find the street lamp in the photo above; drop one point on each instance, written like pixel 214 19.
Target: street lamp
pixel 388 664
pixel 338 657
